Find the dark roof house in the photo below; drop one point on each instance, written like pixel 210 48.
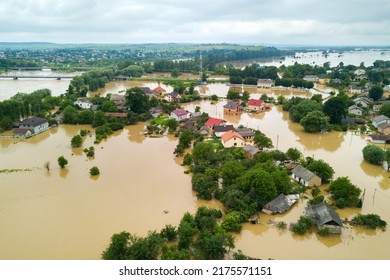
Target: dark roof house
pixel 325 217
pixel 250 151
pixel 280 204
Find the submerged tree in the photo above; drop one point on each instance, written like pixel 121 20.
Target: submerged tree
pixel 62 161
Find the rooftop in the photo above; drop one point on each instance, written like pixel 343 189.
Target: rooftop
pixel 303 173
pixel 229 135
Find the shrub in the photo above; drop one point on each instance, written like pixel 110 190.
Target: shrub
pixel 94 171
pixel 304 223
pixel 323 231
pixel 76 141
pixel 371 221
pixel 169 233
pixel 62 161
pixel 281 225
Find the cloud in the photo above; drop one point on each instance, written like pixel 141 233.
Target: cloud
pixel 245 21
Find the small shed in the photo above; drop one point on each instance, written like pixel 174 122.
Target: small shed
pixel 325 217
pixel 280 204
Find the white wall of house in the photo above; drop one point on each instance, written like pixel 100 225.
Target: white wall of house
pixel 234 142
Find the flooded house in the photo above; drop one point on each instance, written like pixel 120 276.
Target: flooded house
pixel 305 177
pixel 34 124
pixel 325 216
pixel 83 103
pixel 232 108
pixel 232 139
pixel 256 105
pixel 179 115
pixel 280 204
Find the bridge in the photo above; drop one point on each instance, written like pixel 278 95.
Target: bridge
pixel 47 68
pixel 17 76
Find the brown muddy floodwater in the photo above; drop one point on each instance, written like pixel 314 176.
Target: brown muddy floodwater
pixel 66 214
pixel 343 151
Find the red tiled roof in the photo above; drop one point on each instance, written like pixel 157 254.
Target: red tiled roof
pixel 21 131
pixel 211 122
pixel 230 134
pixel 159 90
pixel 254 102
pixel 117 115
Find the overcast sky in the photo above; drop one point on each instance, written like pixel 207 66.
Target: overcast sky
pixel 270 22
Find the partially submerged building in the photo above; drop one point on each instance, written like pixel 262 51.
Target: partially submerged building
pixel 280 204
pixel 325 217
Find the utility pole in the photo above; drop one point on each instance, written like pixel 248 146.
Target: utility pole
pixel 200 67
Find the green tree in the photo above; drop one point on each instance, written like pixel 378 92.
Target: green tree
pixel 230 171
pixel 297 112
pixel 187 229
pixel 99 119
pixel 76 141
pixel 233 95
pixel 132 71
pixel 314 122
pixel 175 73
pixel 118 248
pixel 322 169
pixel 109 106
pixel 94 171
pixel 204 185
pixel 203 151
pixel 293 154
pixel 137 101
pixel 374 154
pixel 185 138
pixel 385 110
pixel 344 192
pixel 262 141
pixel 336 109
pixel 62 161
pixel 169 233
pixel 172 125
pixel 69 115
pixel 317 98
pixel 260 185
pixel 376 92
pixel 245 96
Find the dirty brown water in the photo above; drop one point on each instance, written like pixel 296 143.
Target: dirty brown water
pixel 67 214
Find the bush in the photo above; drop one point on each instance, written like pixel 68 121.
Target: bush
pixel 169 233
pixel 316 200
pixel 94 171
pixel 77 141
pixel 323 231
pixel 304 223
pixel 281 225
pixel 371 221
pixel 62 161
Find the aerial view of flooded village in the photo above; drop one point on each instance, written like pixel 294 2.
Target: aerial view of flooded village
pixel 212 131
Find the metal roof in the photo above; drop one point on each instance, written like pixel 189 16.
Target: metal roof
pixel 323 214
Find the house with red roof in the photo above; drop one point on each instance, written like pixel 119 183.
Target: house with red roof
pixel 159 90
pixel 211 122
pixel 232 139
pixel 256 105
pixel 179 115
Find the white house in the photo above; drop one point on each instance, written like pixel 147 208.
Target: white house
pixel 179 115
pixel 380 119
pixel 264 83
pixel 355 110
pixel 34 124
pixel 83 103
pixel 232 139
